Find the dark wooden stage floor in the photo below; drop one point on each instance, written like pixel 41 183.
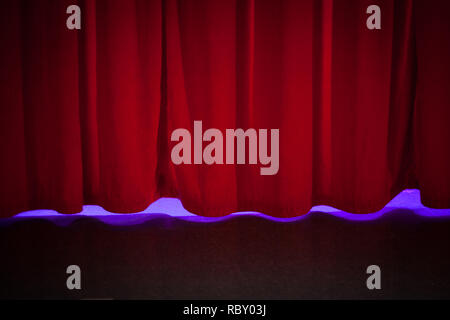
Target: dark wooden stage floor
pixel 244 257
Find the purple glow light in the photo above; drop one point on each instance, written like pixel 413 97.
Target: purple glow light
pixel 408 199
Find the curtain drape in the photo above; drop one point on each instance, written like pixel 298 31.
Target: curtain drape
pixel 86 115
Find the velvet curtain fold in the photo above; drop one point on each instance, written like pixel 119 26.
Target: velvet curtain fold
pixel 86 115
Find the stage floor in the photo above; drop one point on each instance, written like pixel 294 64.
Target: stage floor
pixel 173 254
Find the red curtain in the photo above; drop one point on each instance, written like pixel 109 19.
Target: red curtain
pixel 86 115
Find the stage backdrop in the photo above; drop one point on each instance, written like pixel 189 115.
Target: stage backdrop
pixel 86 116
